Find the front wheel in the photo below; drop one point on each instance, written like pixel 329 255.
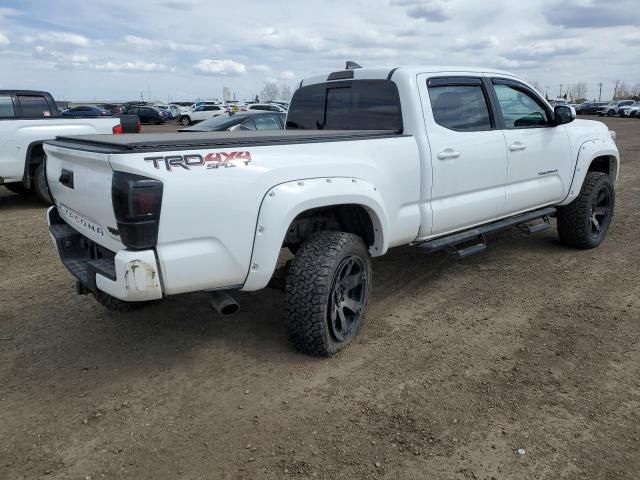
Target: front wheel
pixel 327 292
pixel 186 121
pixel 585 221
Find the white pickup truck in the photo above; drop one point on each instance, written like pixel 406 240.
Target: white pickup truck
pixel 372 158
pixel 27 119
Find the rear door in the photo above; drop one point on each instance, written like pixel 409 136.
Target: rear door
pixel 540 163
pixel 468 152
pixel 8 113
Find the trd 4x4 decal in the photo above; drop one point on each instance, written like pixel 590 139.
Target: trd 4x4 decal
pixel 211 160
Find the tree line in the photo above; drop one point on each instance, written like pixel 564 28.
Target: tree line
pixel 578 92
pixel 275 92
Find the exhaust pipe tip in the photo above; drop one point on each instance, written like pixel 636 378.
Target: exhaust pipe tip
pixel 224 304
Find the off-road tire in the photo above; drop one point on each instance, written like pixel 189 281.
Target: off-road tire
pixel 115 304
pixel 574 220
pixel 18 188
pixel 40 185
pixel 310 289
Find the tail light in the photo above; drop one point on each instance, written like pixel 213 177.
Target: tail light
pixel 136 204
pixel 117 130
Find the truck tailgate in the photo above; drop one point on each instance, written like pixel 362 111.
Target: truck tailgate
pixel 80 184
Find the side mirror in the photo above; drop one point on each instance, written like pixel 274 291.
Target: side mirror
pixel 563 114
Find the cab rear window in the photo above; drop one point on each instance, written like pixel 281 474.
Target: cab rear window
pixel 349 105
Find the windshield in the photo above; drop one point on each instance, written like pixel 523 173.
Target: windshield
pixel 348 105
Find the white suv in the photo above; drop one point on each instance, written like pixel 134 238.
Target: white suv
pixel 203 112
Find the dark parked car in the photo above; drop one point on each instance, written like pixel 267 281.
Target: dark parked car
pixel 612 108
pixel 147 114
pixel 240 121
pixel 111 107
pixel 86 111
pixel 590 108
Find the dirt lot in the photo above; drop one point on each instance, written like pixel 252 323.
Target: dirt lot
pixel 530 345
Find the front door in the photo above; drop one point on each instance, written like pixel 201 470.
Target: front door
pixel 539 152
pixel 468 154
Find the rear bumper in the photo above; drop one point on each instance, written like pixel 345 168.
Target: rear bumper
pixel 132 276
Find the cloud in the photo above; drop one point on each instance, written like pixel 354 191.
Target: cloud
pixel 480 43
pixel 4 41
pixel 59 38
pixel 72 58
pixel 260 68
pixel 142 43
pixel 137 66
pixel 294 40
pixel 222 68
pixel 8 12
pixel 177 5
pixel 632 39
pixel 287 75
pixel 430 11
pixel 596 14
pixel 510 64
pixel 546 50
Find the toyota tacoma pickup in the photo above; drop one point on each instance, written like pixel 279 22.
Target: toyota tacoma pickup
pixel 372 158
pixel 27 119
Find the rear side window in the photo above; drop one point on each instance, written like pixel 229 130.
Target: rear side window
pixel 248 124
pixel 33 106
pixel 460 107
pixel 351 105
pixel 6 107
pixel 266 122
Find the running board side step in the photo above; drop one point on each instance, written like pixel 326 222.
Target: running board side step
pixel 473 241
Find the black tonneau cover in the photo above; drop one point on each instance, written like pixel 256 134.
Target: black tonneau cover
pixel 193 141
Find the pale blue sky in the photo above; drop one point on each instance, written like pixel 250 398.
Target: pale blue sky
pixel 184 49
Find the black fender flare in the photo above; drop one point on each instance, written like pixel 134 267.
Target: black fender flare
pixel 29 163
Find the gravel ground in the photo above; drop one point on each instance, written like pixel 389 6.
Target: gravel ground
pixel 460 364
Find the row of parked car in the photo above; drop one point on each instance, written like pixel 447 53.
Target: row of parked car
pixel 186 114
pixel 621 108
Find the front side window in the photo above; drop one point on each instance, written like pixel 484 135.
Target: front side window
pixel 520 109
pixel 6 107
pixel 34 106
pixel 460 107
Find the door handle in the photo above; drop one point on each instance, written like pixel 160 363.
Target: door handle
pixel 448 153
pixel 516 146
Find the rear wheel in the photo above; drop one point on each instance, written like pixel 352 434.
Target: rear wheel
pixel 40 184
pixel 18 188
pixel 584 223
pixel 327 292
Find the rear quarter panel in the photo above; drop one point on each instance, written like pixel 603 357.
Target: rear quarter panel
pixel 16 136
pixel 209 213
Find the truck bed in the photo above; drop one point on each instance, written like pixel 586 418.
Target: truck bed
pixel 150 142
